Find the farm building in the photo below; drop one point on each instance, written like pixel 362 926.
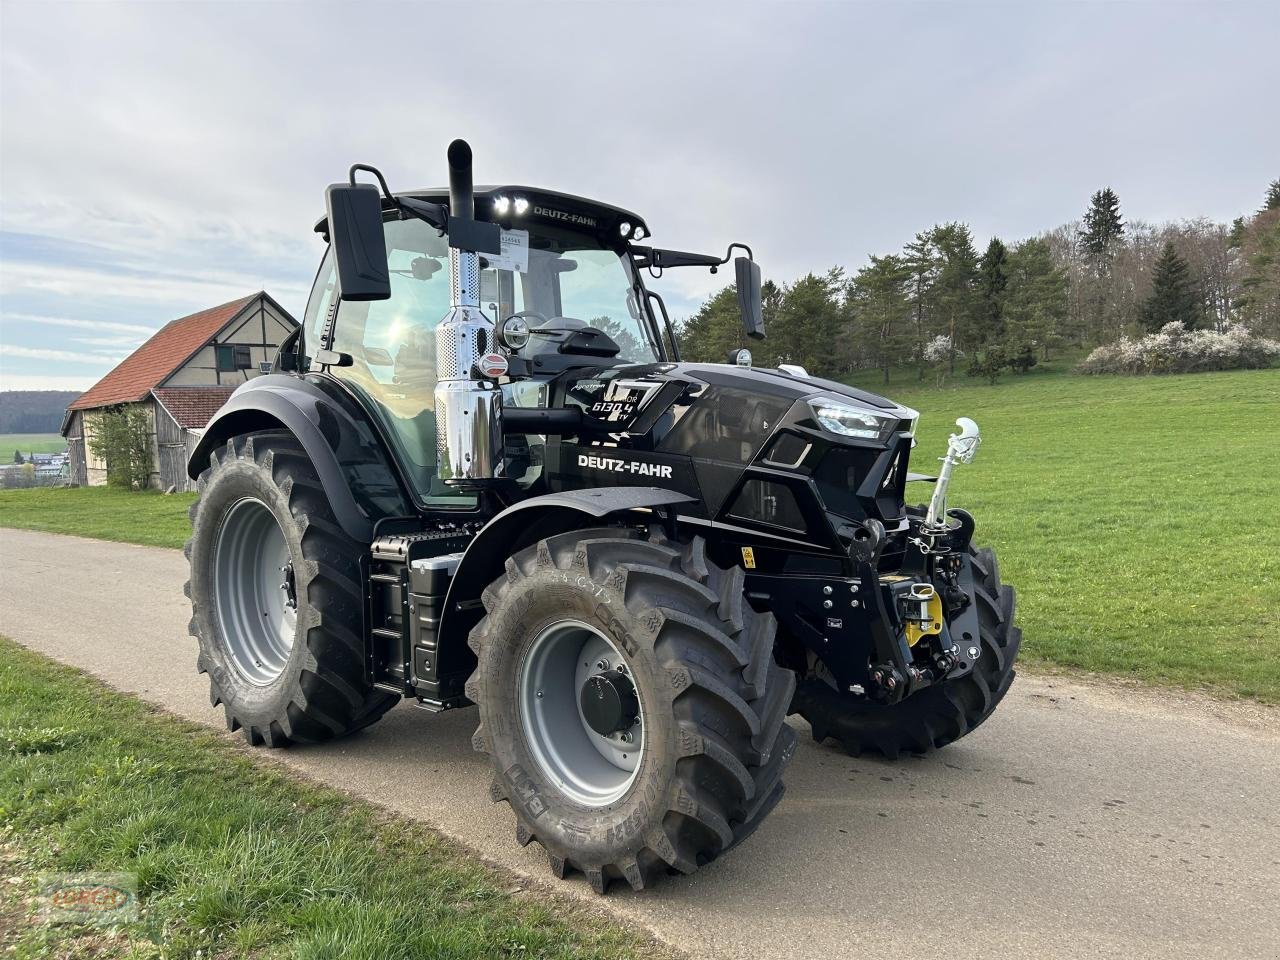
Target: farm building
pixel 180 377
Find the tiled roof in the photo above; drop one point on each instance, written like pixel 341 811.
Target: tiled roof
pixel 192 407
pixel 169 348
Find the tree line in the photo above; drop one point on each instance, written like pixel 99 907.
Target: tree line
pixel 939 305
pixel 33 411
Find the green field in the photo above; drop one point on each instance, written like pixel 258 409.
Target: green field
pixel 1134 515
pixel 233 857
pixel 29 443
pixel 106 513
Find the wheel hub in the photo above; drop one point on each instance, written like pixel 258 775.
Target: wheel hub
pixel 257 610
pixel 580 712
pixel 608 702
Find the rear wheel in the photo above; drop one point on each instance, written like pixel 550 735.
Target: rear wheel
pixel 937 715
pixel 630 704
pixel 276 603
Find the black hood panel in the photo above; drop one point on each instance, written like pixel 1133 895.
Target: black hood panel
pixel 777 383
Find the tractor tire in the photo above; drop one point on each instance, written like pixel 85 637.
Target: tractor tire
pixel 710 742
pixel 935 716
pixel 283 648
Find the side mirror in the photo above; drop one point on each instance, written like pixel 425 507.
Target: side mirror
pixel 747 277
pixel 359 247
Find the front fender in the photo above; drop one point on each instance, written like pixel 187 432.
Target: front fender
pixel 525 523
pixel 357 479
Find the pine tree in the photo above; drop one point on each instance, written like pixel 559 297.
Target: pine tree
pixel 1173 294
pixel 882 311
pixel 992 281
pixel 1103 227
pixel 921 260
pixel 810 323
pixel 1259 297
pixel 714 330
pixel 1273 196
pixel 1035 303
pixel 957 285
pixel 1236 237
pixel 1100 238
pixel 1272 201
pixel 18 457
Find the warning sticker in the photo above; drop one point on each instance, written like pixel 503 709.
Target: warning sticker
pixel 515 252
pixel 748 558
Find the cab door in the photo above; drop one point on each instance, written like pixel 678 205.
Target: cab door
pixel 391 344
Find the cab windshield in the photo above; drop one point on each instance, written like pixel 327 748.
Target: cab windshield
pixel 561 282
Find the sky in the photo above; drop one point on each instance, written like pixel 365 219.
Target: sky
pixel 160 158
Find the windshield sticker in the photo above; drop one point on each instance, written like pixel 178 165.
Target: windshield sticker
pixel 515 252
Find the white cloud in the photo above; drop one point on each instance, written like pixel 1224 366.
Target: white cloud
pixel 62 356
pixel 90 285
pixel 42 381
pixel 104 326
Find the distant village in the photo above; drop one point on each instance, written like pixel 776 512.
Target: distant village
pixel 35 470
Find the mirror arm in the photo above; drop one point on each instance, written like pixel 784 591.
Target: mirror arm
pixel 382 182
pixel 433 213
pixel 661 258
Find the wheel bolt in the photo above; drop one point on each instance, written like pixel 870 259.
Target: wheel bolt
pixel 602 664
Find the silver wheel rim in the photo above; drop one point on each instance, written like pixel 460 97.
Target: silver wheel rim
pixel 252 587
pixel 588 767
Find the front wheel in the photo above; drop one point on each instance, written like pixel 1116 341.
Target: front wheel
pixel 276 603
pixel 937 715
pixel 630 704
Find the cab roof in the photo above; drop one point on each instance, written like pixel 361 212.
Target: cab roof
pixel 545 206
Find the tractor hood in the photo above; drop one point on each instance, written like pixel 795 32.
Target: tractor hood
pixel 652 400
pixel 779 383
pixel 706 429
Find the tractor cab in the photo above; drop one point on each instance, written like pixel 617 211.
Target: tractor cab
pixel 560 289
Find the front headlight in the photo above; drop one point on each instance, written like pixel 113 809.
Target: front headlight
pixel 850 420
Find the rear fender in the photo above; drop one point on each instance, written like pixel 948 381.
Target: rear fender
pixel 361 485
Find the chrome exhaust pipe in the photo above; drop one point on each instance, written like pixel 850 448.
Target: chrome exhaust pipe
pixel 468 407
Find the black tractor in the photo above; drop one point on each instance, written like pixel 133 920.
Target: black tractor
pixel 480 474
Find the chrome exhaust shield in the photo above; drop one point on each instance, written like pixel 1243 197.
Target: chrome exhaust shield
pixel 468 407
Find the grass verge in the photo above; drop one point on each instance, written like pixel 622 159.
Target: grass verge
pixel 105 513
pixel 234 857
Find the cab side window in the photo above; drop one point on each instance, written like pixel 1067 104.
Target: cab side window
pixel 391 344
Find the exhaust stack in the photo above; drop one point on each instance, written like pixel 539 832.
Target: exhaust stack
pixel 468 407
